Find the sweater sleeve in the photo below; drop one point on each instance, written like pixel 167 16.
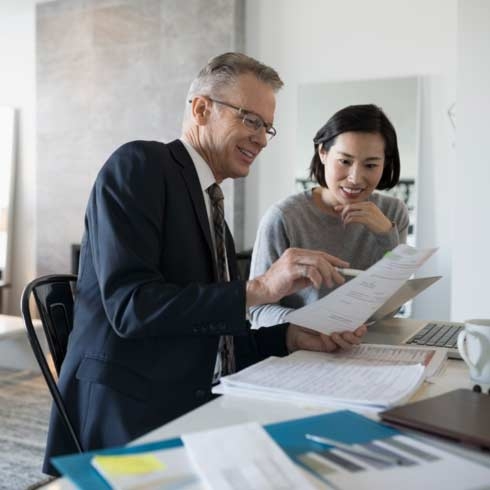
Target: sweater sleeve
pixel 271 241
pixel 399 230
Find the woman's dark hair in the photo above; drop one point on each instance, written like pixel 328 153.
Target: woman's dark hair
pixel 367 118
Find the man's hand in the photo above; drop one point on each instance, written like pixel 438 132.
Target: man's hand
pixel 301 338
pixel 295 269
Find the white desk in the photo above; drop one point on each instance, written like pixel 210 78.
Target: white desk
pixel 15 350
pixel 228 410
pixel 11 326
pixel 3 285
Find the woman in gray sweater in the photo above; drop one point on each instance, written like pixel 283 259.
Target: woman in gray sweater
pixel 356 152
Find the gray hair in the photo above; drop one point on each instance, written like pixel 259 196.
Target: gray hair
pixel 223 70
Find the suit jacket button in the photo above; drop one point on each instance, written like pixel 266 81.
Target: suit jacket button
pixel 200 394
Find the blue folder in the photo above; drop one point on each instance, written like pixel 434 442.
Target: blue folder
pixel 344 426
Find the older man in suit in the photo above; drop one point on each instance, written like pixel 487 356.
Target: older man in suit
pixel 160 313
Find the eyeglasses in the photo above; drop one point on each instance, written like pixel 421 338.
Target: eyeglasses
pixel 250 119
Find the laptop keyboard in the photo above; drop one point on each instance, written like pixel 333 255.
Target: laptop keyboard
pixel 437 335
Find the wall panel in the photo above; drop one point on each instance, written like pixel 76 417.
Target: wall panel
pixel 111 71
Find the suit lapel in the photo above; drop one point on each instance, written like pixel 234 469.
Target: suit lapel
pixel 191 179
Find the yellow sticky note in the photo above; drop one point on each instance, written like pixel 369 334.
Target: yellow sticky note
pixel 129 464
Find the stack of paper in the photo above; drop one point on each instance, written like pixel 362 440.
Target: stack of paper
pixel 325 379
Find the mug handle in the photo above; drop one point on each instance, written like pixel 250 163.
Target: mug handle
pixel 464 354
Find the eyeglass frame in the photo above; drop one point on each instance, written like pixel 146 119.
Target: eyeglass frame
pixel 270 130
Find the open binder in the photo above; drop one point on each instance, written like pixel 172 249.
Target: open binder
pixel 327 466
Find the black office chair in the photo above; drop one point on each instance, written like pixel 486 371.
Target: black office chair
pixel 53 295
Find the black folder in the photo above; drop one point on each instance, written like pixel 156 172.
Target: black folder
pixel 463 415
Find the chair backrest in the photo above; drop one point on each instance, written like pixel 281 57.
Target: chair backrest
pixel 54 300
pixel 53 295
pixel 244 259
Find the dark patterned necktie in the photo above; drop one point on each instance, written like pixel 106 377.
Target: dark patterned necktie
pixel 218 214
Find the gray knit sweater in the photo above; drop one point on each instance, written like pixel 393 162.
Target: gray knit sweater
pixel 297 222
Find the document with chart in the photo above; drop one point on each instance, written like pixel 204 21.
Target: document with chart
pixel 354 465
pixel 353 303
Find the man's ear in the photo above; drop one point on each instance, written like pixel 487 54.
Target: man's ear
pixel 200 110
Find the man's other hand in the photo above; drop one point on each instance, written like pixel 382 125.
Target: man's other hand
pixel 301 338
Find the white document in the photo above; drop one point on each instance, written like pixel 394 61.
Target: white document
pixel 243 457
pixel 351 304
pixel 324 379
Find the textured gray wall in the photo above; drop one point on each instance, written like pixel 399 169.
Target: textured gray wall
pixel 110 71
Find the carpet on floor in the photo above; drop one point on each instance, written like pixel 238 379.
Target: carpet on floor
pixel 24 414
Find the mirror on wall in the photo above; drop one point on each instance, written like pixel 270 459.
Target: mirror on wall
pixel 399 99
pixel 7 141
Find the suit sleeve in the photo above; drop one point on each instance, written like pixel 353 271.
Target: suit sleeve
pixel 260 344
pixel 124 222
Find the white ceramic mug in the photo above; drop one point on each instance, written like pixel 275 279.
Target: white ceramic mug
pixel 474 347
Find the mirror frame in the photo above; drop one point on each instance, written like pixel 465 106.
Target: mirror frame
pixel 318 101
pixel 7 188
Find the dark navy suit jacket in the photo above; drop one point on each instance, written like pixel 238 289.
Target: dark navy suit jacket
pixel 148 310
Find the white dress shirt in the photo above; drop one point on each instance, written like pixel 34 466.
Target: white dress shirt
pixel 206 179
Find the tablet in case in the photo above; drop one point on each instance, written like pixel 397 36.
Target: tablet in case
pixel 463 415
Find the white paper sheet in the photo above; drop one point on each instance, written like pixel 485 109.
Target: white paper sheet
pixel 243 457
pixel 351 304
pixel 319 378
